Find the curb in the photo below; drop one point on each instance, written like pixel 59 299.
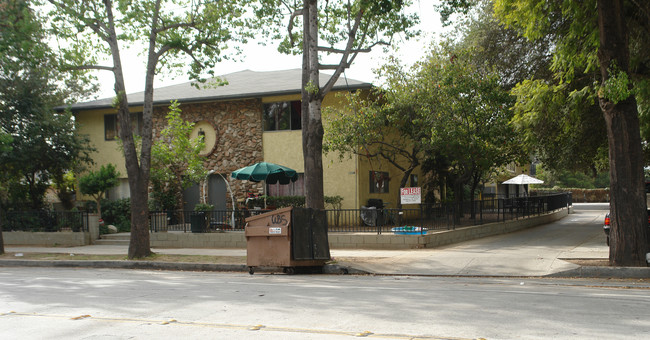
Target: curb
pixel 127 265
pixel 171 266
pixel 605 272
pixel 581 272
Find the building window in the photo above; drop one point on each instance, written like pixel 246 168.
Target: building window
pixel 296 188
pixel 282 116
pixel 414 181
pixel 112 127
pixel 379 182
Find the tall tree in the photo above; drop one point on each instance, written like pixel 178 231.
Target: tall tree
pixel 613 40
pixel 548 111
pixel 43 144
pixel 445 106
pixel 175 157
pixel 384 126
pixel 468 116
pixel 169 31
pixel 5 141
pixel 346 29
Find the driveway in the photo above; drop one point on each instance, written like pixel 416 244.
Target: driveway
pixel 538 251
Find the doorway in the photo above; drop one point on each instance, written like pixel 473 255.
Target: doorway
pixel 217 192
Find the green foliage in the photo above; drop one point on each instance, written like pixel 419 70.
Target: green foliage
pixel 190 37
pixel 117 213
pixel 503 50
pixel 175 160
pixel 312 88
pixel 36 144
pixel 335 202
pixel 204 207
pixel 64 185
pixel 183 35
pixel 568 179
pixel 97 183
pixel 298 201
pixel 616 88
pixel 578 195
pixel 377 22
pixel 571 95
pixel 563 126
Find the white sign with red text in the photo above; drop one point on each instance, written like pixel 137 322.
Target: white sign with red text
pixel 410 195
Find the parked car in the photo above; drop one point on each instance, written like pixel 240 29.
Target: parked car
pixel 607 224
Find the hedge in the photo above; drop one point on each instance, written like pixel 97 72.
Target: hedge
pixel 579 195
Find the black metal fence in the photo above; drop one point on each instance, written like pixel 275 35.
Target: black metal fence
pixel 48 221
pixel 200 221
pixel 440 216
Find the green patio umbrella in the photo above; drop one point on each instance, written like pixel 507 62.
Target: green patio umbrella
pixel 264 171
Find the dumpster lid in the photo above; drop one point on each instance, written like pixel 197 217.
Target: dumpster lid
pixel 267 214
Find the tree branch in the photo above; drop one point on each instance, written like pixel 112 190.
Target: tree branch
pixel 164 27
pixel 344 58
pixel 89 67
pixel 336 50
pixel 97 26
pixel 331 66
pixel 290 27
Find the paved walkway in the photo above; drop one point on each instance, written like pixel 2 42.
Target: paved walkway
pixel 539 251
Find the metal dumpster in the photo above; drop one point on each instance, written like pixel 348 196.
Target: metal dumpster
pixel 290 238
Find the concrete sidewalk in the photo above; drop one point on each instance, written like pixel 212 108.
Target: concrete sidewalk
pixel 536 252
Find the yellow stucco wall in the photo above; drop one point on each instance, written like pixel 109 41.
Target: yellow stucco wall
pixel 347 177
pixel 91 123
pixel 285 148
pixel 392 197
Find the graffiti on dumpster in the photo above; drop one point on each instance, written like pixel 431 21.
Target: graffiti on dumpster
pixel 278 219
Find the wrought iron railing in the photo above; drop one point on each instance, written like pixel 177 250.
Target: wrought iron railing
pixel 440 216
pixel 47 221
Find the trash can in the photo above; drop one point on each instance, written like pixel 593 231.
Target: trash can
pixel 289 238
pixel 197 222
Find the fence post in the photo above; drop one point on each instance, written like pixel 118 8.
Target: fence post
pixel 421 218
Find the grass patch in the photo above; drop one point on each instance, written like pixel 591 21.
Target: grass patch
pixel 154 258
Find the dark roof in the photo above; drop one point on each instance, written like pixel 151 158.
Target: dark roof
pixel 243 84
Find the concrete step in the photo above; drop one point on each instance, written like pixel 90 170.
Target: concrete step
pixel 118 236
pixel 119 239
pixel 111 242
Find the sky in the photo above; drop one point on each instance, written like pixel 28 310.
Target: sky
pixel 267 58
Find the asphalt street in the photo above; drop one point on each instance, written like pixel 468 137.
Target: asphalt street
pixel 88 303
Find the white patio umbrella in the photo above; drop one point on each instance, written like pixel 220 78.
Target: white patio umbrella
pixel 523 179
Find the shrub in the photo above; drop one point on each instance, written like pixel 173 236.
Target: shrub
pixel 203 207
pixel 579 195
pixel 117 213
pixel 299 201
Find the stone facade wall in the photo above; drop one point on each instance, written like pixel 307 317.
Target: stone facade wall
pixel 238 127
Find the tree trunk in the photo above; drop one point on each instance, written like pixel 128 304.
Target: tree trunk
pixel 139 245
pixel 138 175
pixel 629 222
pixel 312 126
pixel 402 184
pixel 2 241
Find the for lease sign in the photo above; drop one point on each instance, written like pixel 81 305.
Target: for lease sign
pixel 410 195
